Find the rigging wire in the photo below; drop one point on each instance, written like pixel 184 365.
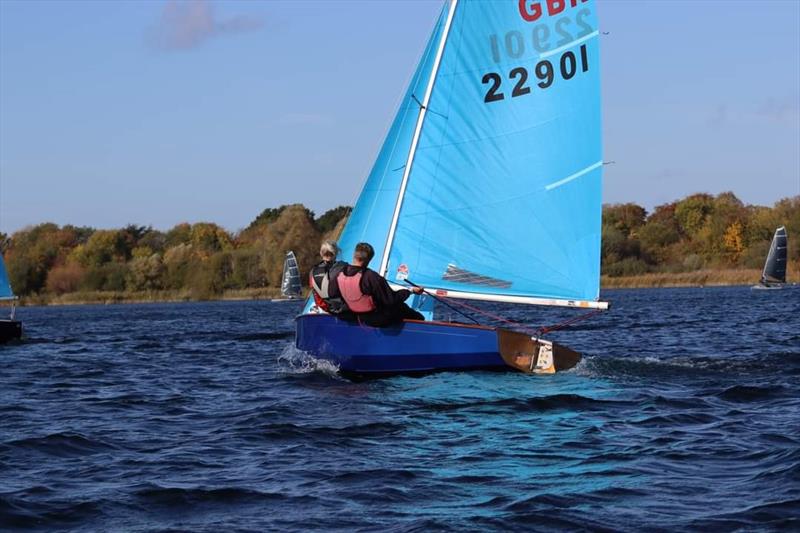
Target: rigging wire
pixel 441 301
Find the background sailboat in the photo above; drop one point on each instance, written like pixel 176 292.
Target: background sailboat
pixel 487 187
pixel 9 328
pixel 291 288
pixel 774 274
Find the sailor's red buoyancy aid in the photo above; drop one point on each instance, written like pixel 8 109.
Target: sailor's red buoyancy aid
pixel 350 288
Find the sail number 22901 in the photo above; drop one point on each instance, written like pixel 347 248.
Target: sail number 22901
pixel 545 71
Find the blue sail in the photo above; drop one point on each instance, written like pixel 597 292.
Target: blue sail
pixel 372 213
pixel 504 193
pixel 5 287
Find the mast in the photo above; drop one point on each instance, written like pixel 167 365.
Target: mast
pixel 420 120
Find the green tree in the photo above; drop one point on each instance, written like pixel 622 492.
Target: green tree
pixel 177 263
pixel 625 217
pixel 616 247
pixel 693 211
pixel 31 253
pixel 209 277
pixel 329 219
pixel 180 234
pixel 106 277
pixel 268 216
pixel 104 246
pixel 788 215
pixel 336 232
pixel 247 270
pixel 293 230
pixel 154 240
pixel 656 239
pixel 146 272
pixel 208 238
pixel 25 274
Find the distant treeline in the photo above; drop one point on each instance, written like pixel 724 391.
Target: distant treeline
pixel 204 260
pixel 698 232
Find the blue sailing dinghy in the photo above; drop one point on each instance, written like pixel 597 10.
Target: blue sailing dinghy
pixel 487 187
pixel 9 328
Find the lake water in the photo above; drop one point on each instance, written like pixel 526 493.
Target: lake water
pixel 683 415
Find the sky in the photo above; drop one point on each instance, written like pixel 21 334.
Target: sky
pixel 159 112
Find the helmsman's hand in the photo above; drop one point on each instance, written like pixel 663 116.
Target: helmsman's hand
pixel 418 290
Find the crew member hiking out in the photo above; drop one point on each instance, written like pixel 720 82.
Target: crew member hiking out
pixel 323 280
pixel 369 296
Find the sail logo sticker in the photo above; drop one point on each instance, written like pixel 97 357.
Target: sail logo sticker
pixel 402 272
pixel 531 10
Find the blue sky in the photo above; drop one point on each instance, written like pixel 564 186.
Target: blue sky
pixel 158 112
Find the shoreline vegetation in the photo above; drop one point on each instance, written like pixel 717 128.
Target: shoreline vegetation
pixel 700 240
pixel 700 278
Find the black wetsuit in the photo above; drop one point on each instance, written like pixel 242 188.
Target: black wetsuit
pixel 323 276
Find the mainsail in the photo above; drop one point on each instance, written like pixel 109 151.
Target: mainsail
pixel 5 287
pixel 290 286
pixel 775 266
pixel 488 184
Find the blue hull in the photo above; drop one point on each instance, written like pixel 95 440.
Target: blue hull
pixel 412 347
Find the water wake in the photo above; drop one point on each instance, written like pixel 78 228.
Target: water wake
pixel 294 361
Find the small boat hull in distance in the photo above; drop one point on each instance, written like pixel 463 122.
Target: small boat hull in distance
pixel 10 330
pixel 416 347
pixel 770 287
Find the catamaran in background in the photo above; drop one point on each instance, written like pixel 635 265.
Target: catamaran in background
pixel 487 187
pixel 9 328
pixel 774 274
pixel 290 284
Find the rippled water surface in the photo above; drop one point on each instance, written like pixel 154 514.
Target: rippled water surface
pixel 684 415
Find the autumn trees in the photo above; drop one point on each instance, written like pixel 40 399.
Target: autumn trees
pixel 699 231
pixel 203 260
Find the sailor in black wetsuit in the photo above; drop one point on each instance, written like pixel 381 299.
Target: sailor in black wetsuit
pixel 369 296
